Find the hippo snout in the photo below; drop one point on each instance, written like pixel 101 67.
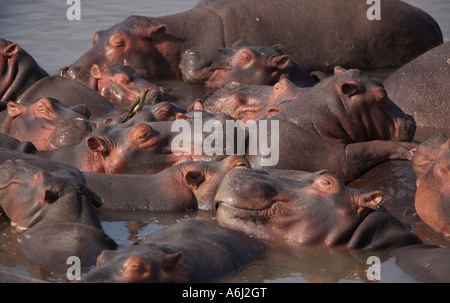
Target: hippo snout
pixel 75 73
pixel 70 132
pixel 406 128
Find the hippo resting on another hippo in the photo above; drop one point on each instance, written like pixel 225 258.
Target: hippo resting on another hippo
pixel 250 65
pixel 432 166
pixel 322 212
pixel 18 70
pixel 346 123
pixel 192 251
pixel 46 122
pixel 157 43
pixel 421 88
pixel 252 102
pixel 55 214
pixel 188 185
pixel 139 148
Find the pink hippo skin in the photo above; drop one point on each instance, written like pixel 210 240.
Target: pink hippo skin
pixel 432 166
pixel 46 122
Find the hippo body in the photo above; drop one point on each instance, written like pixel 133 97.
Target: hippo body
pixel 250 65
pixel 421 88
pixel 188 185
pixel 323 212
pixel 70 93
pixel 46 122
pixel 55 214
pixel 432 167
pixel 345 123
pixel 157 43
pixel 252 102
pixel 191 251
pixel 18 70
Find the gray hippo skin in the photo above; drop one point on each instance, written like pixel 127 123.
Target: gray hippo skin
pixel 244 63
pixel 18 70
pixel 191 251
pixel 186 186
pixel 346 123
pixel 54 213
pixel 157 43
pixel 421 88
pixel 324 211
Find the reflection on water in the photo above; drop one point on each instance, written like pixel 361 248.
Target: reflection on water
pixel 41 28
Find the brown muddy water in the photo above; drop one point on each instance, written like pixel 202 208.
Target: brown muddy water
pixel 42 28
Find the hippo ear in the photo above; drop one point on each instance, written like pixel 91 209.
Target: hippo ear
pixel 349 89
pixel 170 260
pixel 196 105
pixel 15 110
pixel 194 178
pixel 10 50
pixel 373 200
pixel 281 62
pixel 339 70
pixel 43 108
pixel 95 71
pixel 155 32
pixel 97 145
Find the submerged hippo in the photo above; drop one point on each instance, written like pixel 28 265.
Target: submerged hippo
pixel 157 43
pixel 322 212
pixel 121 84
pixel 346 123
pixel 46 122
pixel 244 63
pixel 432 167
pixel 55 214
pixel 18 70
pixel 192 251
pixel 252 102
pixel 188 185
pixel 421 88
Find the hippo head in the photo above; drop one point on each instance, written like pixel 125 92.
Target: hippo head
pixel 137 263
pixel 18 70
pixel 432 167
pixel 30 195
pixel 47 123
pixel 281 209
pixel 121 84
pixel 252 65
pixel 364 110
pixel 138 148
pixel 252 102
pixel 203 178
pixel 130 42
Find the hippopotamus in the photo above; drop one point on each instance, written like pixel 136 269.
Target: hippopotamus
pixel 345 123
pixel 7 142
pixel 397 180
pixel 324 211
pixel 140 148
pixel 176 254
pixel 18 70
pixel 69 92
pixel 432 167
pixel 252 102
pixel 54 213
pixel 46 122
pixel 187 186
pixel 121 84
pixel 421 88
pixel 425 262
pixel 244 63
pixel 157 43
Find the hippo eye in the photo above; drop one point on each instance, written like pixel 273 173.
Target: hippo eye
pixel 122 79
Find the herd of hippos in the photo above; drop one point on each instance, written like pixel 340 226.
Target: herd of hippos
pixel 353 169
